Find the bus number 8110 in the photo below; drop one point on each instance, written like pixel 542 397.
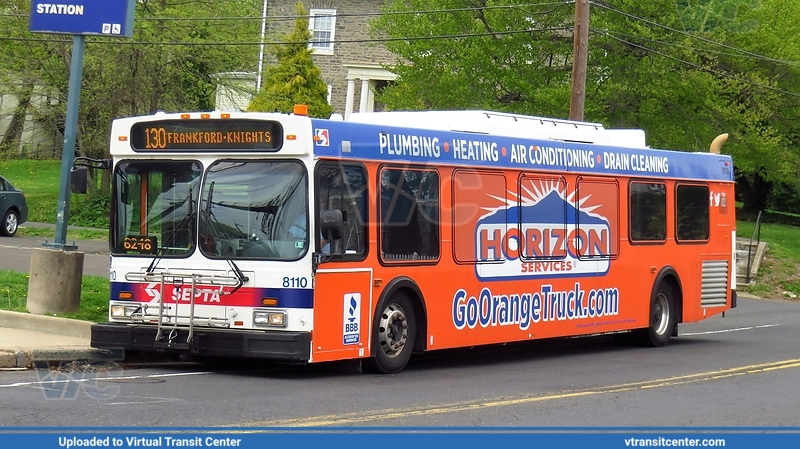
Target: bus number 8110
pixel 295 282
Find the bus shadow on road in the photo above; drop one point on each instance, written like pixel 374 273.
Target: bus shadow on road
pixel 500 356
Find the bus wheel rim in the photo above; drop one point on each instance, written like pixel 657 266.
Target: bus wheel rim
pixel 660 318
pixel 393 330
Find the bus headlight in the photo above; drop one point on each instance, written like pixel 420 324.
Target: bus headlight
pixel 120 311
pixel 267 318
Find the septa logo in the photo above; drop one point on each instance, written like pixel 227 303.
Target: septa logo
pixel 321 137
pixel 546 234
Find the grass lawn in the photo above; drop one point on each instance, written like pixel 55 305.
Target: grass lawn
pixel 94 296
pixel 39 180
pixel 780 270
pixel 80 234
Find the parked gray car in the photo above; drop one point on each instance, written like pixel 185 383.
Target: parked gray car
pixel 13 208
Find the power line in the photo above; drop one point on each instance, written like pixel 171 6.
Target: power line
pixel 376 14
pixel 703 50
pixel 696 66
pixel 691 35
pixel 336 41
pixel 556 5
pixel 363 14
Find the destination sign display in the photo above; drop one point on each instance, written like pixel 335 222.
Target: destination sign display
pixel 208 135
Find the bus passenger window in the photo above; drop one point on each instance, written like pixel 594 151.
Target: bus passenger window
pixel 409 215
pixel 648 211
pixel 343 187
pixel 692 212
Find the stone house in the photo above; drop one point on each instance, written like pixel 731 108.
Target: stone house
pixel 351 64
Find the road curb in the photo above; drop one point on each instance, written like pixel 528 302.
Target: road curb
pixel 46 324
pixel 28 358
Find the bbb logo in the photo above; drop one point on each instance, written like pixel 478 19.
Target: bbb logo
pixel 321 138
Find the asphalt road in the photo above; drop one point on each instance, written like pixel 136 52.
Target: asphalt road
pixel 15 254
pixel 740 370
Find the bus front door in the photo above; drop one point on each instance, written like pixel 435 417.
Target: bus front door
pixel 343 305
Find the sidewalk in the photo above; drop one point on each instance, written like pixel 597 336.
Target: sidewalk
pixel 26 338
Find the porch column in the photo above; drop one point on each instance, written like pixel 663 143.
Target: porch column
pixel 364 95
pixel 348 105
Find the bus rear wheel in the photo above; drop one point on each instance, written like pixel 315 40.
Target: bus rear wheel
pixel 395 334
pixel 661 317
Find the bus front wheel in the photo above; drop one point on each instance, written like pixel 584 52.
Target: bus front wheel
pixel 395 333
pixel 661 317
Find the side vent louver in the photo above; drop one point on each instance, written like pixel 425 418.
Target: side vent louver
pixel 714 289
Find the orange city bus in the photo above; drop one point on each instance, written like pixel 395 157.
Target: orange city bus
pixel 300 240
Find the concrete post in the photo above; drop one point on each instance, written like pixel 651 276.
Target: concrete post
pixel 55 281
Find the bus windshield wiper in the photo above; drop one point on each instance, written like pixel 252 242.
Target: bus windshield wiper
pixel 184 222
pixel 212 221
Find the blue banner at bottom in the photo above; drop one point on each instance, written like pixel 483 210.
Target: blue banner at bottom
pixel 417 438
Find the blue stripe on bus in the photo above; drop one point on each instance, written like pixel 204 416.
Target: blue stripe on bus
pixel 293 298
pixel 397 144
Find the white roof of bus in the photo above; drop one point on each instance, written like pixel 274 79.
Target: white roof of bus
pixel 503 124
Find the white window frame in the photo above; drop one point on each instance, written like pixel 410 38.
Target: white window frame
pixel 326 48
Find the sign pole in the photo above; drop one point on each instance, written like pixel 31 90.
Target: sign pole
pixel 70 132
pixel 111 18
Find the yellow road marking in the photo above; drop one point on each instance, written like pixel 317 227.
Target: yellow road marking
pixel 388 414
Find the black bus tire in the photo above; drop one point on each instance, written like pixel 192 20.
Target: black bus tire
pixel 395 334
pixel 661 319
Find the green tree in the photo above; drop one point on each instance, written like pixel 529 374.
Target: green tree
pixel 767 150
pixel 178 47
pixel 294 79
pixel 683 71
pixel 478 54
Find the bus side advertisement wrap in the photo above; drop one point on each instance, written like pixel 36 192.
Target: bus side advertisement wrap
pixel 541 238
pixel 543 233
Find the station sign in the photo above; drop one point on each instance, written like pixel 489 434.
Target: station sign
pixel 113 18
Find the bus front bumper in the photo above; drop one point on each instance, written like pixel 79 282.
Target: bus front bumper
pixel 294 347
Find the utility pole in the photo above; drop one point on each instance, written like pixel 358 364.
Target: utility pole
pixel 580 54
pixel 261 49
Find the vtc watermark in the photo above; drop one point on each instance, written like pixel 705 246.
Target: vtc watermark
pixel 61 382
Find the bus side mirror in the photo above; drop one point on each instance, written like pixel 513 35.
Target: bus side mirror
pixel 79 179
pixel 332 223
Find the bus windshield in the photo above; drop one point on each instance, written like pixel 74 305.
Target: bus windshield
pixel 254 210
pixel 154 205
